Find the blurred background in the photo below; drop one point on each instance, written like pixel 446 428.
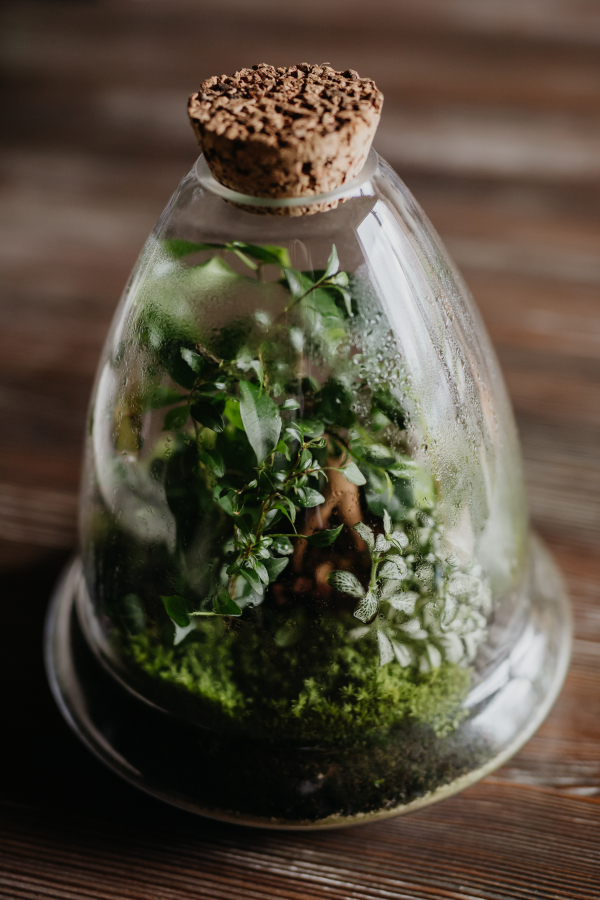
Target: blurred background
pixel 492 117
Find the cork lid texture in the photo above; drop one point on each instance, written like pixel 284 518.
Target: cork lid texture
pixel 286 132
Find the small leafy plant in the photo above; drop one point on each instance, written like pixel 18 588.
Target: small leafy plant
pixel 280 494
pixel 412 627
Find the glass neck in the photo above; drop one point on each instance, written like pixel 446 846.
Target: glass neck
pixel 358 186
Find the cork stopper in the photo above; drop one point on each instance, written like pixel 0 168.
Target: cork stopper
pixel 286 132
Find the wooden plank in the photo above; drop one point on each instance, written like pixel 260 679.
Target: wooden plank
pixel 39 517
pixel 492 116
pixel 512 842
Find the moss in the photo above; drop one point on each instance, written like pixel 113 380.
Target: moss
pixel 187 668
pixel 320 690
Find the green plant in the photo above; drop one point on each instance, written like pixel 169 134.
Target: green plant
pixel 291 495
pixel 415 627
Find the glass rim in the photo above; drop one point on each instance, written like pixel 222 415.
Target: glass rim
pixel 349 189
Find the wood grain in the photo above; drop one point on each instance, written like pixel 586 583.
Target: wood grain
pixel 492 116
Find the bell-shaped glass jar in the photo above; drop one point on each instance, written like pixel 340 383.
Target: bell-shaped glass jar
pixel 306 560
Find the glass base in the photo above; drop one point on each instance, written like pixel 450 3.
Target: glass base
pixel 272 785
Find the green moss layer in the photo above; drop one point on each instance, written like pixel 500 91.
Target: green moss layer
pixel 321 689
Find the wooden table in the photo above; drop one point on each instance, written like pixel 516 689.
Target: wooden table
pixel 492 116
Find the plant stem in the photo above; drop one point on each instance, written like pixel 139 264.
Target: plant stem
pixel 373 579
pixel 320 283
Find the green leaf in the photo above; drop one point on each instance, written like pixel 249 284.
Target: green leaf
pixel 213 393
pixel 347 300
pixel 390 587
pixel 339 280
pixel 259 568
pixel 379 420
pixel 293 432
pixel 404 655
pixel 381 544
pixel 213 460
pixel 280 253
pixel 290 404
pixel 346 583
pixel 243 257
pixel 384 399
pixel 366 534
pixel 404 601
pixel 321 301
pixel 324 538
pixel 232 411
pixel 283 545
pixel 308 497
pixel 333 263
pixel 178 248
pixel 305 459
pixel 268 253
pixel 275 566
pixel 294 280
pixel 398 539
pixel 393 568
pixel 402 470
pixel 353 474
pixel 252 578
pixel 367 608
pixel 261 420
pixel 243 358
pixel 283 448
pixel 220 398
pixel 287 508
pixel 334 335
pixel 380 455
pixel 386 651
pixel 176 610
pixel 244 526
pixel 162 396
pixel 176 418
pixel 311 427
pixel 225 502
pixel 223 605
pixel 193 359
pixel 254 572
pixel 176 366
pixel 257 366
pixel 334 404
pixel 205 414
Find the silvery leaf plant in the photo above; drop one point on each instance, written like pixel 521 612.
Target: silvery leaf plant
pixel 413 628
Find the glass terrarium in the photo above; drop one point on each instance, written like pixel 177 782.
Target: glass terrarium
pixel 307 593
